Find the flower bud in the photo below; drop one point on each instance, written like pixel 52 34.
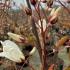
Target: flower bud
pixel 28 11
pixel 16 37
pixel 54 21
pixel 53 17
pixel 33 2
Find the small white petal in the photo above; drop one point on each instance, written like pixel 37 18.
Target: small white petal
pixel 32 51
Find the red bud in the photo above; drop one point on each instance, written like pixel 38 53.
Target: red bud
pixel 28 11
pixel 54 21
pixel 33 2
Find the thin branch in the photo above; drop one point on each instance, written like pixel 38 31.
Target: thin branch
pixel 64 6
pixel 32 68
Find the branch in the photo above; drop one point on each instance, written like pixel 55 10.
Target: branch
pixel 64 6
pixel 32 68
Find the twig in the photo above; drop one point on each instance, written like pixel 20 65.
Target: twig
pixel 23 64
pixel 32 68
pixel 64 6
